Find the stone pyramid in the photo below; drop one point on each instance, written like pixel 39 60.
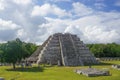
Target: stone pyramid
pixel 65 49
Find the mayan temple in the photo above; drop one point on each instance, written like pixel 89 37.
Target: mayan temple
pixel 64 49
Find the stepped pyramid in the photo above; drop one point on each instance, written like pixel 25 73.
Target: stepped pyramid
pixel 63 49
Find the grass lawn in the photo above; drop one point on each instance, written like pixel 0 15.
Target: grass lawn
pixel 56 73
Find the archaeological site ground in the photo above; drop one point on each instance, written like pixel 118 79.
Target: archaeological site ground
pixel 57 73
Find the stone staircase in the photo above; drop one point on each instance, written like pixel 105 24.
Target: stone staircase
pixel 69 53
pixel 65 49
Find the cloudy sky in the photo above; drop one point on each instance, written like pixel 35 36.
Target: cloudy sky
pixel 94 21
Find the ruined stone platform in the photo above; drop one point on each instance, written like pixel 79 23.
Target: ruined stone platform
pixel 116 66
pixel 92 72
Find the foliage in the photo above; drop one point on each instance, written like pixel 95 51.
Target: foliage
pixel 15 50
pixel 105 50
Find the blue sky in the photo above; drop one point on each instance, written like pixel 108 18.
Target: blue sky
pixel 103 5
pixel 94 21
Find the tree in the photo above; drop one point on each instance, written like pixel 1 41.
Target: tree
pixel 30 48
pixel 2 51
pixel 14 52
pixel 105 50
pixel 1 56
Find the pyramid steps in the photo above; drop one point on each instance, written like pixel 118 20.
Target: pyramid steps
pixel 67 49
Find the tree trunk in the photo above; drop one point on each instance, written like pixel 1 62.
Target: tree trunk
pixel 14 66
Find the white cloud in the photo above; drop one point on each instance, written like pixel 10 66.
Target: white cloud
pixel 74 30
pixel 2 5
pixel 97 34
pixel 22 2
pixel 62 0
pixel 100 5
pixel 53 26
pixel 15 16
pixel 100 28
pixel 8 30
pixel 7 25
pixel 90 26
pixel 48 9
pixel 81 10
pixel 59 0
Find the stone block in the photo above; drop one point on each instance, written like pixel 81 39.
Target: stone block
pixel 92 72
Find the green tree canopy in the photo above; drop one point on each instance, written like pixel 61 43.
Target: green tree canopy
pixel 15 50
pixel 105 50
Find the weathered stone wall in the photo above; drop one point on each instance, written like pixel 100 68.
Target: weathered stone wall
pixel 51 52
pixel 110 59
pixel 66 49
pixel 34 57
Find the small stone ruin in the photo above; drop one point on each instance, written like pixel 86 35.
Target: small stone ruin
pixel 116 66
pixel 110 59
pixel 92 72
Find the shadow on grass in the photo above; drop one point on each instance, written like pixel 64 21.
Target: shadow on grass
pixel 100 64
pixel 103 63
pixel 28 69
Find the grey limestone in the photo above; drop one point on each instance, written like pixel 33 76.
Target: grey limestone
pixel 65 49
pixel 116 66
pixel 91 72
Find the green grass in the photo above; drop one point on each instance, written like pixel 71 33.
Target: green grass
pixel 56 73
